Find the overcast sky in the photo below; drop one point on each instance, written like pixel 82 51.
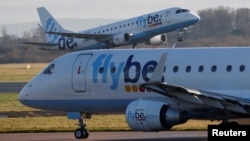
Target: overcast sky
pixel 21 11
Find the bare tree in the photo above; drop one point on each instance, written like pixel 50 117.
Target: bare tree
pixel 242 22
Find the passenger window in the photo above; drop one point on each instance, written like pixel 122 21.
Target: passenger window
pixel 188 68
pixel 113 69
pixel 229 68
pixel 175 69
pixel 49 69
pixel 125 69
pixel 242 68
pixel 214 68
pixel 101 69
pixel 201 68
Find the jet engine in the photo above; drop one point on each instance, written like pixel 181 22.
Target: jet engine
pixel 121 39
pixel 157 40
pixel 146 115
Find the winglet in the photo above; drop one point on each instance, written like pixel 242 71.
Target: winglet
pixel 157 75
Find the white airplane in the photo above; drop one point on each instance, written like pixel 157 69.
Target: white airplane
pixel 149 28
pixel 156 88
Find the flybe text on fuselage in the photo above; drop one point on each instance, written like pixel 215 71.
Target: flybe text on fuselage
pixel 132 70
pixel 151 20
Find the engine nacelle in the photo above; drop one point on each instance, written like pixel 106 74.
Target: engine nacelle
pixel 145 115
pixel 121 39
pixel 157 40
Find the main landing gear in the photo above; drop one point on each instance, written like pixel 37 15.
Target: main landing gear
pixel 133 46
pixel 179 36
pixel 226 120
pixel 231 123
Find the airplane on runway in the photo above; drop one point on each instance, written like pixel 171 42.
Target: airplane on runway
pixel 150 29
pixel 155 88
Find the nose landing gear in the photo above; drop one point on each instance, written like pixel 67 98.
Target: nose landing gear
pixel 82 132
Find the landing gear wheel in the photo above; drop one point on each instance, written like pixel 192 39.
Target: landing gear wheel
pixel 78 133
pixel 180 39
pixel 85 133
pixel 232 123
pixel 179 36
pixel 81 133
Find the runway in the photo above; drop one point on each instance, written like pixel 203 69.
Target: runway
pixel 109 136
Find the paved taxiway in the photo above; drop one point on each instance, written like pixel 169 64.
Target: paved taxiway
pixel 11 87
pixel 109 136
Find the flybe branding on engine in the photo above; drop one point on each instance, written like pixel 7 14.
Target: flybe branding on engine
pixel 139 115
pixel 129 71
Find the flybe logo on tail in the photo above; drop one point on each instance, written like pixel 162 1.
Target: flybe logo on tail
pixel 50 26
pixel 63 42
pixel 131 71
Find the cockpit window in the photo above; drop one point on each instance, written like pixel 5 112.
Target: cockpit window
pixel 181 11
pixel 49 69
pixel 184 10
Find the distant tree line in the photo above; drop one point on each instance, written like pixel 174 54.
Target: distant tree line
pixel 13 51
pixel 221 26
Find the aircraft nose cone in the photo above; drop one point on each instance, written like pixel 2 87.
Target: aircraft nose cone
pixel 196 17
pixel 24 94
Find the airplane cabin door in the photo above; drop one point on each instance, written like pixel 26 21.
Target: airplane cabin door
pixel 167 16
pixel 79 73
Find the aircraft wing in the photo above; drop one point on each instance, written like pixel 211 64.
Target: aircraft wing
pixel 216 100
pixel 40 43
pixel 87 36
pixel 212 99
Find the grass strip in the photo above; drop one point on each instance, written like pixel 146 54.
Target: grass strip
pixel 20 72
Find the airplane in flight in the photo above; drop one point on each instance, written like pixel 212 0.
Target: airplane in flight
pixel 149 28
pixel 155 88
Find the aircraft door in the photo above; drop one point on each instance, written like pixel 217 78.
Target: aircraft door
pixel 79 73
pixel 167 16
